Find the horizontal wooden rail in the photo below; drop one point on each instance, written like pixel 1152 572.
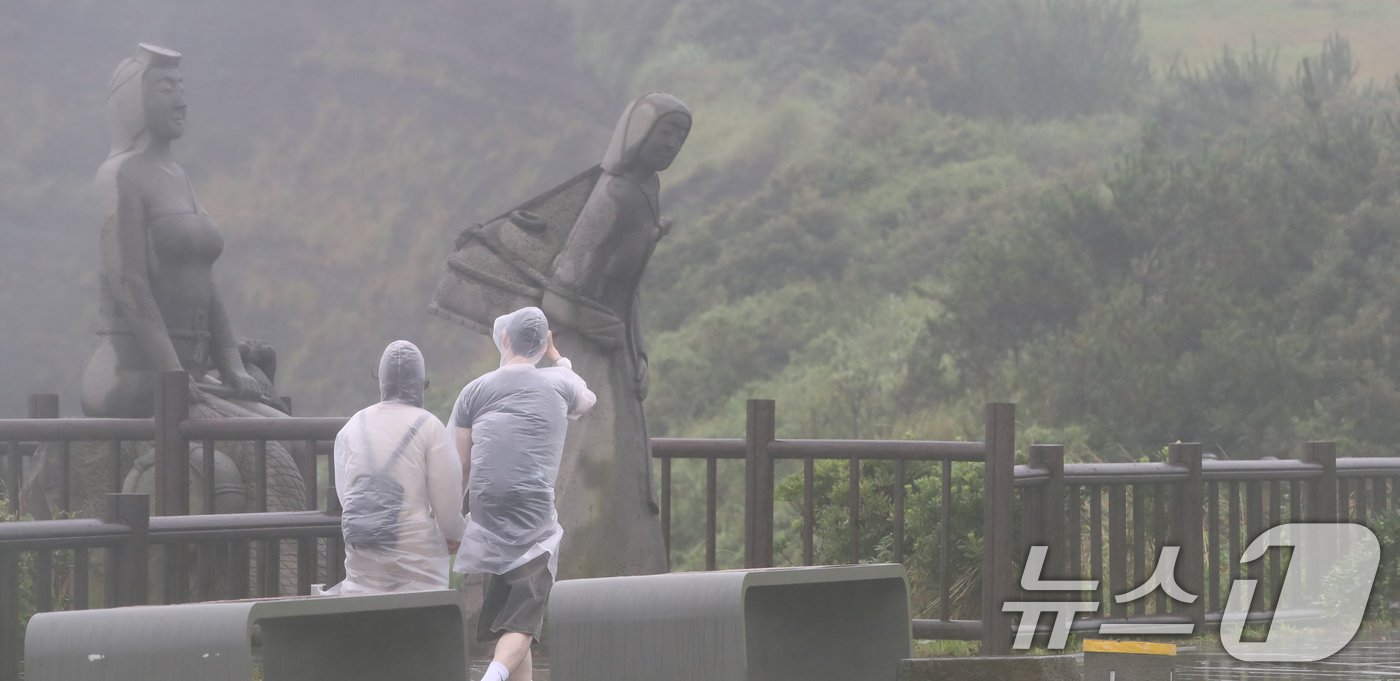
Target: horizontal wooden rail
pixel 1123 473
pixel 1367 467
pixel 224 527
pixel 878 450
pixel 76 429
pixel 697 448
pixel 39 535
pixel 875 450
pixel 255 428
pixel 1260 470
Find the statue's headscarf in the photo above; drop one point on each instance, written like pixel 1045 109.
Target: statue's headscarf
pixel 126 98
pixel 523 333
pixel 402 374
pixel 634 126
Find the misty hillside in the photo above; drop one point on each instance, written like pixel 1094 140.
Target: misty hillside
pixel 888 211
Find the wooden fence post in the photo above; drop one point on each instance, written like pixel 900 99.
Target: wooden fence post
pixel 1049 529
pixel 172 406
pixel 998 580
pixel 129 560
pixel 11 645
pixel 758 484
pixel 1322 492
pixel 1188 518
pixel 45 406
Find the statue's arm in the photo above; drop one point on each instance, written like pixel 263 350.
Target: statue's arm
pixel 126 271
pixel 635 217
pixel 581 261
pixel 578 268
pixel 224 350
pixel 639 342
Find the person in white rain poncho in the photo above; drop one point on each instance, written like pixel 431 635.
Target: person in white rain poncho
pixel 509 428
pixel 400 486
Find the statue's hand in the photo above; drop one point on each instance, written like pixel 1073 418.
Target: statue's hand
pixel 244 387
pixel 603 329
pixel 643 377
pixel 558 310
pixel 607 336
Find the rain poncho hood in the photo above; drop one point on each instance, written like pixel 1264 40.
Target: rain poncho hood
pixel 521 336
pixel 402 374
pixel 126 97
pixel 518 416
pixel 400 486
pixel 636 123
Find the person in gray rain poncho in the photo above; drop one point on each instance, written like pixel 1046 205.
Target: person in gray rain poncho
pixel 399 484
pixel 509 428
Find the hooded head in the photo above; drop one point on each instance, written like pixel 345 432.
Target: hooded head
pixel 126 97
pixel 521 334
pixel 637 124
pixel 402 375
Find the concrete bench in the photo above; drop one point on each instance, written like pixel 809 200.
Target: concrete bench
pixel 814 623
pixel 340 638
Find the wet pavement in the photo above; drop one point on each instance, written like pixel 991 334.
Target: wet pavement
pixel 1371 660
pixel 478 668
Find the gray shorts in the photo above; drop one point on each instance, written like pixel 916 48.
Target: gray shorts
pixel 514 601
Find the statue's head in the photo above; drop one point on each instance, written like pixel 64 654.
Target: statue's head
pixel 523 334
pixel 145 100
pixel 649 134
pixel 402 375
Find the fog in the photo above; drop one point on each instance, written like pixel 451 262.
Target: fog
pixel 1142 222
pixel 340 146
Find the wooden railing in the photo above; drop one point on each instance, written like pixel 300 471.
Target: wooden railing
pixel 1104 521
pixel 124 544
pixel 170 433
pixel 760 449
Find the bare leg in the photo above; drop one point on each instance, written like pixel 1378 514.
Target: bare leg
pixel 526 670
pixel 513 649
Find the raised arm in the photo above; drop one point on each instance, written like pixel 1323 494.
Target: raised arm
pixel 125 267
pixel 580 399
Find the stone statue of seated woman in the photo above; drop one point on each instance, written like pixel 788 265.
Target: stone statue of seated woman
pixel 160 307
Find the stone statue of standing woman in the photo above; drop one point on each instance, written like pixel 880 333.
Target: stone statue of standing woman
pixel 605 491
pixel 578 252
